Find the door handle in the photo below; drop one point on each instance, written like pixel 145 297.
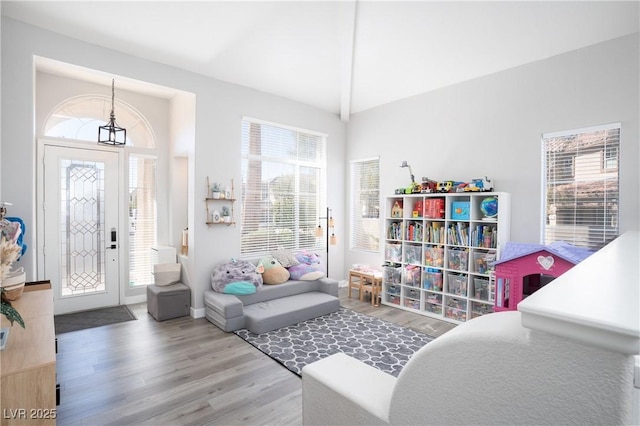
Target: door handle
pixel 114 239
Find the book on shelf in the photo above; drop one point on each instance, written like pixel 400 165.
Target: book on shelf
pixel 435 233
pixel 458 234
pixel 485 236
pixel 394 231
pixel 414 231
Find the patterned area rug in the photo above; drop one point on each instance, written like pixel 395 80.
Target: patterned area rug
pixel 90 319
pixel 373 341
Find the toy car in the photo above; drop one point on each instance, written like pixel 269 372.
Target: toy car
pixel 444 186
pixel 428 186
pixel 479 185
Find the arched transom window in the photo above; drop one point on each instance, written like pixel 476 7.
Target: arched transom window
pixel 79 118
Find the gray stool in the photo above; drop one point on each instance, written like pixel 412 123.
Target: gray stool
pixel 168 301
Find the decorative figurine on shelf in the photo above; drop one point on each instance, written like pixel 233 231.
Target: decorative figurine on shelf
pixel 396 210
pixel 227 193
pixel 215 216
pixel 489 207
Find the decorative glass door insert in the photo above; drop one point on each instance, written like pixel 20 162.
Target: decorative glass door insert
pixel 82 239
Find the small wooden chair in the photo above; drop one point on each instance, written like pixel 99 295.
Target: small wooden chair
pixel 355 282
pixel 365 282
pixel 373 286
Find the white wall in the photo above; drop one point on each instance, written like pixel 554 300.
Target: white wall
pixel 218 112
pixel 492 126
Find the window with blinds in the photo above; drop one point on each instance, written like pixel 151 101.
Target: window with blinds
pixel 365 204
pixel 142 218
pixel 580 199
pixel 283 187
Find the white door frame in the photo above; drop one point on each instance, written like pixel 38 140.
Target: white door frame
pixel 40 217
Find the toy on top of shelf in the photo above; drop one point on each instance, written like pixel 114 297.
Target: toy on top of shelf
pixel 479 185
pixel 444 186
pixel 413 188
pixel 450 186
pixel 428 186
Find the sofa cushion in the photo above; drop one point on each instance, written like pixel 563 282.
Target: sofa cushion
pixel 224 305
pixel 276 313
pixel 270 292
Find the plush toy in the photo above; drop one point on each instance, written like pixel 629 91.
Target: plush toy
pixel 272 271
pixel 236 276
pixel 309 269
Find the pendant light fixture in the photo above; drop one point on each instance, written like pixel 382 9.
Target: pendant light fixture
pixel 111 133
pixel 331 237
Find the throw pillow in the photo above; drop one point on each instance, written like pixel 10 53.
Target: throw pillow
pixel 240 288
pixel 272 271
pixel 309 268
pixel 285 257
pixel 235 273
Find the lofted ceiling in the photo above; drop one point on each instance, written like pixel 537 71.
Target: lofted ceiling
pixel 340 56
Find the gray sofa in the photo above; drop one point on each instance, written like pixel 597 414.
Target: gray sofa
pixel 272 306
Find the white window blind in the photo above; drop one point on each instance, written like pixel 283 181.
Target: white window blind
pixel 365 204
pixel 283 187
pixel 580 199
pixel 142 218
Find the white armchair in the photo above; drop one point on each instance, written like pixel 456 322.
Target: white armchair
pixel 487 371
pixel 568 356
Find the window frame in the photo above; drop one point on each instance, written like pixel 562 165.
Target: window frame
pixel 593 226
pixel 304 223
pixel 356 238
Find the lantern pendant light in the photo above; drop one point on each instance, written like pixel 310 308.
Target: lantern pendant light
pixel 111 133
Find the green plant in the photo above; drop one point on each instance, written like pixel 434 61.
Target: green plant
pixel 215 187
pixel 9 311
pixel 9 253
pixel 225 211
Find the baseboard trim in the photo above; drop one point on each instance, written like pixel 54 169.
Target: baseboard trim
pixel 197 313
pixel 132 300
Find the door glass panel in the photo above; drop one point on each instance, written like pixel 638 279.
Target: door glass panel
pixel 82 239
pixel 142 218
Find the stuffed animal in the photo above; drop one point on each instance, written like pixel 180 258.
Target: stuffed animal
pixel 236 276
pixel 272 271
pixel 309 269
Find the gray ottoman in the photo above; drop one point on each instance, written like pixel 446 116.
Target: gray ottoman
pixel 168 301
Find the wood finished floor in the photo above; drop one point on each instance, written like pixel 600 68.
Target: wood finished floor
pixel 185 371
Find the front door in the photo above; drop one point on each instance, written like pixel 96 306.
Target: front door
pixel 81 250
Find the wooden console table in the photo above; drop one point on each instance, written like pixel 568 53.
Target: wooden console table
pixel 28 363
